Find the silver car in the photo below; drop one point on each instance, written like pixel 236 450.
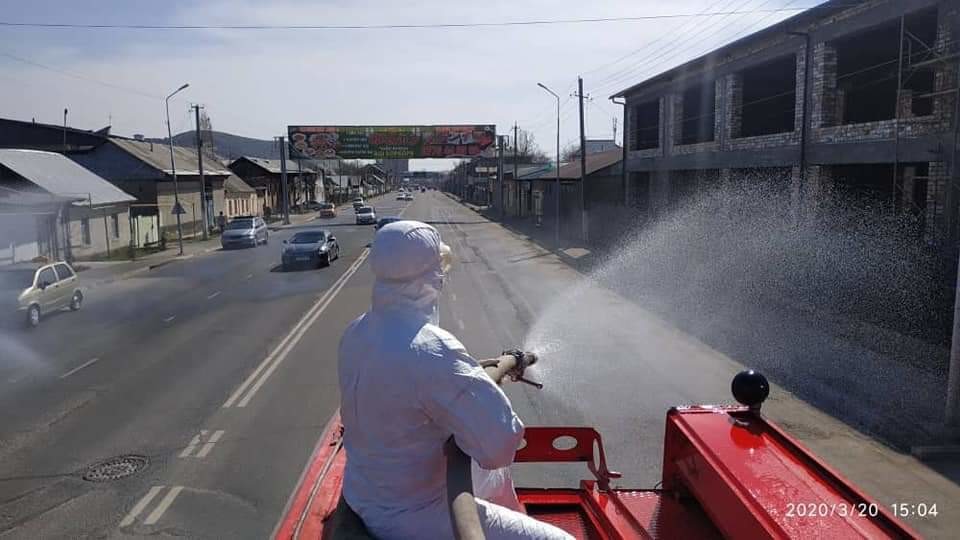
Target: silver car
pixel 366 216
pixel 32 290
pixel 245 231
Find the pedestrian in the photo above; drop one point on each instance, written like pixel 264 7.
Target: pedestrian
pixel 221 221
pixel 406 387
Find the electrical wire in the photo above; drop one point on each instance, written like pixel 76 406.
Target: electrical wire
pixel 414 26
pixel 697 46
pixel 80 77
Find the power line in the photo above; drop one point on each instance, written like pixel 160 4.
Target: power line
pixel 80 77
pixel 532 22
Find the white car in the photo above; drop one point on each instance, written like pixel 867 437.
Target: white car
pixel 366 216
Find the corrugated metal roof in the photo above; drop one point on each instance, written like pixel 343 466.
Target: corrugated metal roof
pixel 273 165
pixel 59 175
pixel 595 162
pixel 158 156
pixel 235 184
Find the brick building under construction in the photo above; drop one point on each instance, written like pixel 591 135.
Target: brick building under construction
pixel 851 97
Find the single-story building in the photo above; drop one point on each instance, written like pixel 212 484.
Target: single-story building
pixel 55 208
pixel 265 175
pixel 143 169
pixel 241 198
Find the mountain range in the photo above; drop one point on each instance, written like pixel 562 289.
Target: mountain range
pixel 228 145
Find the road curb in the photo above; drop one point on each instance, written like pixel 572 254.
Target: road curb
pixel 936 451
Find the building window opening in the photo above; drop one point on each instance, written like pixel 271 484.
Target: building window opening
pixel 867 70
pixel 645 132
pixel 769 99
pixel 85 231
pixel 699 112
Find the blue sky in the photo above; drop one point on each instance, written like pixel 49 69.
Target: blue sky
pixel 254 83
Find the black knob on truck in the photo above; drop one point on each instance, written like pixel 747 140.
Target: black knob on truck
pixel 750 388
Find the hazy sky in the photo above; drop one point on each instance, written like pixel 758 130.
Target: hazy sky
pixel 256 82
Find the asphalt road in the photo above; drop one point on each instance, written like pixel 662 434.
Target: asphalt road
pixel 221 371
pixel 145 369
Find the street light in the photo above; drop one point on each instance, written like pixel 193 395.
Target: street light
pixel 173 171
pixel 557 232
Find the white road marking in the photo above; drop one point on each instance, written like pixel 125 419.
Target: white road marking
pixel 135 511
pixel 209 446
pixel 213 295
pixel 78 368
pixel 460 324
pixel 170 318
pixel 162 507
pixel 248 276
pixel 298 334
pixel 281 350
pixel 193 444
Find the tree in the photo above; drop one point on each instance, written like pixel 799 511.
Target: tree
pixel 527 149
pixel 570 152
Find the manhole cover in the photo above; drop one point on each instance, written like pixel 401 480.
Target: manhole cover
pixel 116 468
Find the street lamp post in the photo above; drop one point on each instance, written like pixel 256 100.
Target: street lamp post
pixel 173 171
pixel 557 231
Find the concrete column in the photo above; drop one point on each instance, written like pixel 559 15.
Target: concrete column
pixel 734 111
pixel 935 207
pixel 659 190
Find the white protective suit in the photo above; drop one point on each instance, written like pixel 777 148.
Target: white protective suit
pixel 406 385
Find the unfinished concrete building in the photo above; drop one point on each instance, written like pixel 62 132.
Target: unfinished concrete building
pixel 850 97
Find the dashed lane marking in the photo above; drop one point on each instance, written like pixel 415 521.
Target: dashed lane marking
pixel 209 445
pixel 162 507
pixel 213 295
pixel 141 506
pixel 78 368
pixel 170 318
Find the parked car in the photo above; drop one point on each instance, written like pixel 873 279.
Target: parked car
pixel 328 210
pixel 314 247
pixel 358 203
pixel 32 290
pixel 248 231
pixel 366 216
pixel 401 196
pixel 387 220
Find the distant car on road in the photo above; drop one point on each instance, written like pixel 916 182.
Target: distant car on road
pixel 31 290
pixel 366 215
pixel 313 205
pixel 401 196
pixel 328 210
pixel 387 220
pixel 248 231
pixel 314 247
pixel 358 203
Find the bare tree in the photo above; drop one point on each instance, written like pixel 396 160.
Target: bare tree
pixel 527 149
pixel 570 152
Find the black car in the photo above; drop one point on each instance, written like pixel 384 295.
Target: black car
pixel 313 247
pixel 387 220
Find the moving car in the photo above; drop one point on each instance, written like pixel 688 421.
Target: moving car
pixel 33 289
pixel 387 220
pixel 366 215
pixel 313 205
pixel 314 247
pixel 328 210
pixel 248 231
pixel 358 203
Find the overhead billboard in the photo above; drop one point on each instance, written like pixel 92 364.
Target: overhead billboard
pixel 390 142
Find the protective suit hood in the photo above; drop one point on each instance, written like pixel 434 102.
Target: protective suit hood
pixel 408 258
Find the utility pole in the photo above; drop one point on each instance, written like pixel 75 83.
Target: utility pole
pixel 203 181
pixel 583 166
pixel 503 203
pixel 283 179
pixel 556 238
pixel 516 182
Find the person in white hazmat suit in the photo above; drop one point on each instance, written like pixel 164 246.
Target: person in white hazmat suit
pixel 406 386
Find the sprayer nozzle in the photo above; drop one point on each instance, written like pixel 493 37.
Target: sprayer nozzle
pixel 530 358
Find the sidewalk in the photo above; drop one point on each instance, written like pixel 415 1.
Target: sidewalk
pixel 98 273
pixel 572 251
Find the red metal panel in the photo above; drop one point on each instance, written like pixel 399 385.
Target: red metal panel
pixel 748 476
